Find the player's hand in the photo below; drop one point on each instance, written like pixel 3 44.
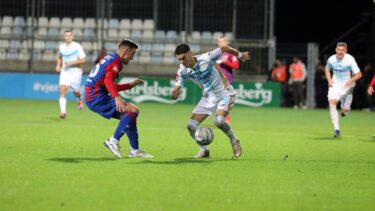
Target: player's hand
pixel 175 93
pixel 245 56
pixel 68 63
pixel 120 105
pixel 370 90
pixel 348 84
pixel 58 68
pixel 330 83
pixel 136 82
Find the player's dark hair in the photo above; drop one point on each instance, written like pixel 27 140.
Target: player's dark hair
pixel 127 43
pixel 67 30
pixel 182 48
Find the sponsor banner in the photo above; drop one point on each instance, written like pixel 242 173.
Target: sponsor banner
pixel 254 94
pixel 32 86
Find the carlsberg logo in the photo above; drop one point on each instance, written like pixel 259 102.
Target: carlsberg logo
pixel 253 97
pixel 151 91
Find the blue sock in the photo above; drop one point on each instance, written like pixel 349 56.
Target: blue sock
pixel 128 125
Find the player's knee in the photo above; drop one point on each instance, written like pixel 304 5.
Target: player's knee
pixel 192 124
pixel 219 121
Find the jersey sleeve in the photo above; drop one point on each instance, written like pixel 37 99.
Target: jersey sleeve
pixel 180 78
pixel 109 82
pixel 354 67
pixel 373 81
pixel 81 53
pixel 329 65
pixel 215 54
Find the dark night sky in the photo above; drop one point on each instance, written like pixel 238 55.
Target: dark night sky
pixel 317 21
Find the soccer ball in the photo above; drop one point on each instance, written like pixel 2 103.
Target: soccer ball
pixel 204 136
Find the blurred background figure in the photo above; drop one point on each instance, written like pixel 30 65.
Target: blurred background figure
pixel 227 63
pixel 297 71
pixel 321 86
pixel 279 74
pixel 364 101
pixel 102 54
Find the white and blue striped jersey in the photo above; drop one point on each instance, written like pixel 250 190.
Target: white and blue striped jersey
pixel 342 68
pixel 205 74
pixel 71 52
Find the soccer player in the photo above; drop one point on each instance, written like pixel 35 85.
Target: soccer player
pixel 341 84
pixel 101 96
pixel 71 56
pixel 227 63
pixel 218 94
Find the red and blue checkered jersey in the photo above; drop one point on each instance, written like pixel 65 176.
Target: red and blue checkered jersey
pixel 102 77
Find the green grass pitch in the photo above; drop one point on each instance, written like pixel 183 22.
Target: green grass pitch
pixel 290 161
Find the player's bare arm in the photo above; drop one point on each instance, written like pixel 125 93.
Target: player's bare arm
pixel 353 79
pixel 76 62
pixel 176 92
pixel 58 64
pixel 243 56
pixel 136 82
pixel 329 77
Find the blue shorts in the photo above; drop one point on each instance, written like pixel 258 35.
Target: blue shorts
pixel 105 106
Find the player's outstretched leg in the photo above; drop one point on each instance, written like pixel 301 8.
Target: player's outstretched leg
pixel 346 102
pixel 227 129
pixel 62 103
pixel 192 127
pixel 335 119
pixel 79 100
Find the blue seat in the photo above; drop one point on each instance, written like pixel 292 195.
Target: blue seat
pixel 159 35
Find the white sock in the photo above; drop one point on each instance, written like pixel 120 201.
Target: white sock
pixel 203 147
pixel 112 139
pixel 334 116
pixel 62 102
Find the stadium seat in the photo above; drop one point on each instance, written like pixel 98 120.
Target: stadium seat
pixel 95 46
pixel 216 35
pixel 112 34
pixel 88 33
pixel 206 36
pixel 171 36
pixel 77 32
pixel 195 48
pixel 90 23
pixel 51 45
pixel 228 35
pixel 102 23
pixel 42 22
pixel 25 45
pixel 78 23
pixel 144 57
pixel 159 35
pixel 39 44
pixel 169 48
pixel 24 55
pixel 48 56
pixel 136 24
pixel 37 55
pixel 41 32
pixel 146 47
pixel 125 24
pixel 113 23
pixel 124 33
pixel 54 22
pixel 30 21
pixel 12 54
pixel 110 46
pixel 5 31
pixel 15 44
pixel 136 35
pixel 67 23
pixel 17 32
pixel 169 60
pixel 148 35
pixel 87 46
pixel 195 36
pixel 4 44
pixel 148 24
pixel 156 59
pixel 19 21
pixel 157 49
pixel 7 21
pixel 53 33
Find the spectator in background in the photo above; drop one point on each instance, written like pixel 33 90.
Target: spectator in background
pixel 370 91
pixel 364 82
pixel 70 57
pixel 321 86
pixel 297 71
pixel 102 54
pixel 227 63
pixel 279 74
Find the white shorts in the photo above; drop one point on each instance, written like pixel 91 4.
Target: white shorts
pixel 338 92
pixel 208 105
pixel 71 78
